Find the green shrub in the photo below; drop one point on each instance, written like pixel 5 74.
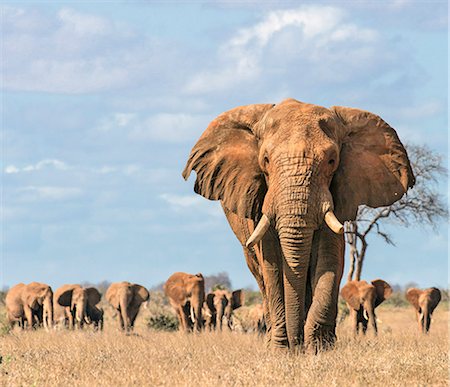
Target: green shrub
pixel 163 322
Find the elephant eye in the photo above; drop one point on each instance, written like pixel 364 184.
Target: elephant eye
pixel 265 162
pixel 331 162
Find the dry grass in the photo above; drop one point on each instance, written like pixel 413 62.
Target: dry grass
pixel 399 357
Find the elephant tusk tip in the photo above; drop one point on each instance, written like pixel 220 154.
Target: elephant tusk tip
pixel 249 244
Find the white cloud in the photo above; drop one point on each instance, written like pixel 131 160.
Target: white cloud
pixel 83 24
pixel 51 192
pixel 74 52
pixel 11 169
pixel 302 33
pixel 185 203
pixel 160 127
pixel 56 164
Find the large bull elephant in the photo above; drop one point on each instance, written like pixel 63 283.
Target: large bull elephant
pixel 424 302
pixel 76 305
pixel 186 294
pixel 288 176
pixel 362 299
pixel 220 305
pixel 127 299
pixel 30 305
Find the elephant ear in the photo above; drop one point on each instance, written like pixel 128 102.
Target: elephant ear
pixel 350 293
pixel 412 295
pixel 140 294
pixel 237 299
pixel 435 296
pixel 383 291
pixel 35 292
pixel 374 168
pixel 93 295
pixel 225 159
pixel 64 298
pixel 210 302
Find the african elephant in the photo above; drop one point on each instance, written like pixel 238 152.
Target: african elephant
pixel 256 317
pixel 362 298
pixel 31 304
pixel 287 176
pixel 220 304
pixel 127 298
pixel 75 305
pixel 186 293
pixel 424 302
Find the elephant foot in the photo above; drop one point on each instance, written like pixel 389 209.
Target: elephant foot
pixel 323 339
pixel 278 345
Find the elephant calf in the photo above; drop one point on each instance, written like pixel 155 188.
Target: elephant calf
pixel 126 298
pixel 220 304
pixel 75 305
pixel 186 293
pixel 424 302
pixel 30 305
pixel 362 298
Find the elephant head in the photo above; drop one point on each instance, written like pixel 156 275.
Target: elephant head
pixel 127 298
pixel 300 171
pixel 78 300
pixel 424 302
pixel 362 298
pixel 221 304
pixel 39 297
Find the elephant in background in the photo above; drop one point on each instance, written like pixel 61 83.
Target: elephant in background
pixel 220 304
pixel 288 175
pixel 126 298
pixel 256 316
pixel 75 305
pixel 424 302
pixel 30 305
pixel 186 294
pixel 362 298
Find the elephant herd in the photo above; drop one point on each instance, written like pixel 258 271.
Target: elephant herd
pixel 362 298
pixel 72 305
pixel 194 309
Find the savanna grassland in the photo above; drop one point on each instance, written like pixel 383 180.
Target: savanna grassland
pixel 398 357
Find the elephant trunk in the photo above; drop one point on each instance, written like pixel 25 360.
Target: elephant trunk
pixel 80 311
pixel 220 314
pixel 296 247
pixel 123 304
pixel 47 318
pixel 369 308
pixel 426 318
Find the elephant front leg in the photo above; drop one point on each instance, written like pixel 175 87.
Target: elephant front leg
pixel 354 321
pixel 274 291
pixel 320 326
pixel 28 316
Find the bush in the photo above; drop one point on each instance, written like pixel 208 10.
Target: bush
pixel 163 322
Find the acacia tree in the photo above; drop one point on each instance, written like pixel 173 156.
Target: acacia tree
pixel 423 206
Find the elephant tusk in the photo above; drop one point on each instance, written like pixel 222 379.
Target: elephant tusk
pixel 333 223
pixel 259 232
pixel 192 314
pixel 366 315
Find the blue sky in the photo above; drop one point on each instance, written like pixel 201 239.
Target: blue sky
pixel 102 102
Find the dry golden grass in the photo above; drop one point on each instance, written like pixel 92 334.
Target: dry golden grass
pixel 398 357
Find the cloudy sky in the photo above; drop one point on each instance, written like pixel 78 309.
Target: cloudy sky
pixel 102 102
